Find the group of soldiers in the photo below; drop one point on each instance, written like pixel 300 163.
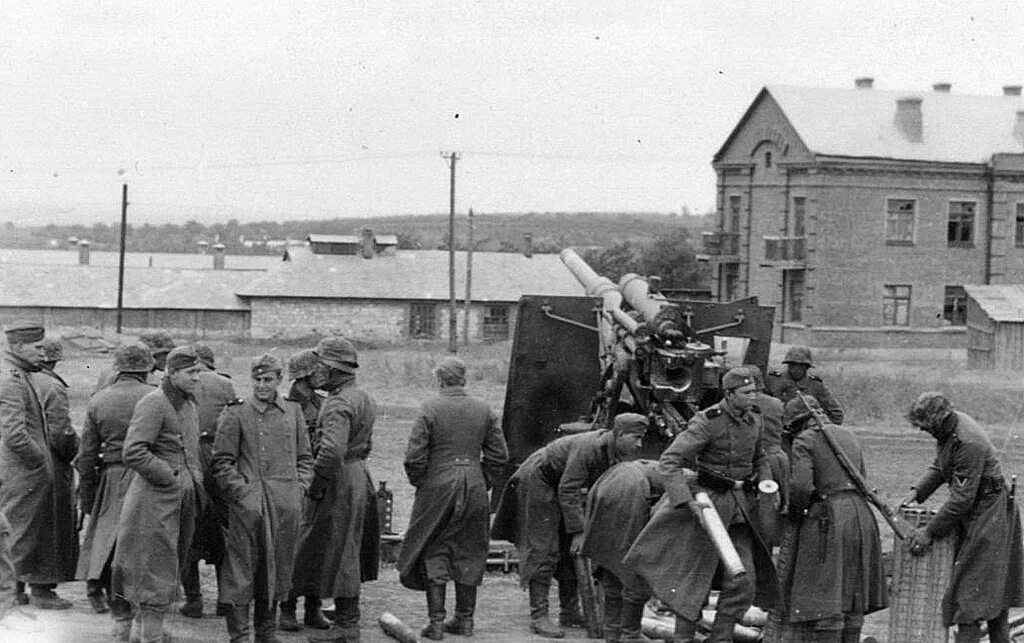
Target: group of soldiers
pixel 272 488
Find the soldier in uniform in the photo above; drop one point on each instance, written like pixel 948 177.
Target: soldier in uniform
pixel 340 536
pixel 455 448
pixel 720 453
pixel 262 465
pixel 160 344
pixel 541 511
pixel 771 410
pixel 837 575
pixel 163 498
pixel 988 575
pixel 785 385
pixel 103 478
pixel 215 391
pixel 31 499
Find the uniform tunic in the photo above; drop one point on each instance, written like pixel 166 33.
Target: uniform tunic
pixel 782 386
pixel 262 466
pixel 541 504
pixel 53 393
pixel 618 507
pixel 673 552
pixel 339 542
pixel 837 568
pixel 158 515
pixel 447 537
pixel 29 492
pixel 772 411
pixel 214 393
pixel 103 477
pixel 988 575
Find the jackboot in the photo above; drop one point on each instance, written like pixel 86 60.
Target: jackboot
pixel 721 630
pixel 288 622
pixel 97 601
pixel 465 607
pixel 632 630
pixel 540 620
pixel 612 614
pixel 237 619
pixel 968 633
pixel 685 630
pixel 20 597
pixel 193 606
pixel 569 614
pixel 999 628
pixel 45 598
pixel 345 628
pixel 265 624
pixel 434 630
pixel 314 618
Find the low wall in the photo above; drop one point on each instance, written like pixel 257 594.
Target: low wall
pixel 950 337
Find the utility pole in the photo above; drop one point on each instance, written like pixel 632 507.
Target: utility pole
pixel 453 321
pixel 469 282
pixel 120 262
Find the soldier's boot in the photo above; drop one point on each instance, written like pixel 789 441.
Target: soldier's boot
pixel 97 600
pixel 721 630
pixel 632 630
pixel 612 615
pixel 434 630
pixel 193 607
pixel 685 630
pixel 569 614
pixel 20 597
pixel 465 606
pixel 265 624
pixel 968 633
pixel 540 620
pixel 314 618
pixel 288 622
pixel 45 598
pixel 345 628
pixel 121 612
pixel 999 628
pixel 237 619
pixel 148 625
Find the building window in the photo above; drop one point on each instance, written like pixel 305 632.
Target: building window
pixel 735 209
pixel 954 307
pixel 899 221
pixel 730 281
pixel 960 233
pixel 794 285
pixel 799 216
pixel 422 321
pixel 495 322
pixel 896 305
pixel 1018 229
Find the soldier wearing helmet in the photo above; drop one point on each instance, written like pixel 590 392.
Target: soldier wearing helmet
pixel 988 576
pixel 159 343
pixel 785 385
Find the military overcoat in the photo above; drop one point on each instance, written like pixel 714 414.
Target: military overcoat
pixel 310 405
pixel 263 466
pixel 103 477
pixel 988 576
pixel 159 511
pixel 455 447
pixel 53 393
pixel 214 393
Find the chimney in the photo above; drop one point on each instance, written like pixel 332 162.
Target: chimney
pixel 83 252
pixel 367 243
pixel 218 256
pixel 1018 127
pixel 908 118
pixel 72 243
pixel 942 88
pixel 204 247
pixel 864 82
pixel 1011 90
pixel 527 244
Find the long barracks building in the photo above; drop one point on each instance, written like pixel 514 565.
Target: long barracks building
pixel 861 214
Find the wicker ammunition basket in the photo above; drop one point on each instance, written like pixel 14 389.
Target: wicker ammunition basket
pixel 918 583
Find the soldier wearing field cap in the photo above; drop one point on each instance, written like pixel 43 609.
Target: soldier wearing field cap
pixel 340 535
pixel 541 511
pixel 796 379
pixel 104 478
pixel 164 496
pixel 31 500
pixel 721 453
pixel 988 573
pixel 262 466
pixel 455 449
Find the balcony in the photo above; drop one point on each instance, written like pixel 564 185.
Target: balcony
pixel 720 247
pixel 788 253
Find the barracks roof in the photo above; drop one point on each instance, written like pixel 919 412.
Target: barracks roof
pixel 1001 303
pixel 414 274
pixel 957 128
pixel 137 259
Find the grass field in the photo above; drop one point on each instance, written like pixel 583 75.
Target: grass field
pixel 874 386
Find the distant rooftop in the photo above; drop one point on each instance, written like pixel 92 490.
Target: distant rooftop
pixel 195 260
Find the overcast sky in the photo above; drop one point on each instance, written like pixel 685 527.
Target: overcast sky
pixel 278 110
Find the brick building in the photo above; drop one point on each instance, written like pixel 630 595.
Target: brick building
pixel 861 214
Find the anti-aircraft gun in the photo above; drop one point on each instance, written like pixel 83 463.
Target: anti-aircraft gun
pixel 579 361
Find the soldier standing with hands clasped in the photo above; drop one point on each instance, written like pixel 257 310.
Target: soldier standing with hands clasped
pixel 988 575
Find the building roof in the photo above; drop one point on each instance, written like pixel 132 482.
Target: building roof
pixel 1002 303
pixel 192 261
pixel 74 286
pixel 379 239
pixel 415 275
pixel 957 128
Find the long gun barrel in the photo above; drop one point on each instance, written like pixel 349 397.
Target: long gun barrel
pixel 598 286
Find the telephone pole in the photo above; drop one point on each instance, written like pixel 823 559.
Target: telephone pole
pixel 120 258
pixel 452 318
